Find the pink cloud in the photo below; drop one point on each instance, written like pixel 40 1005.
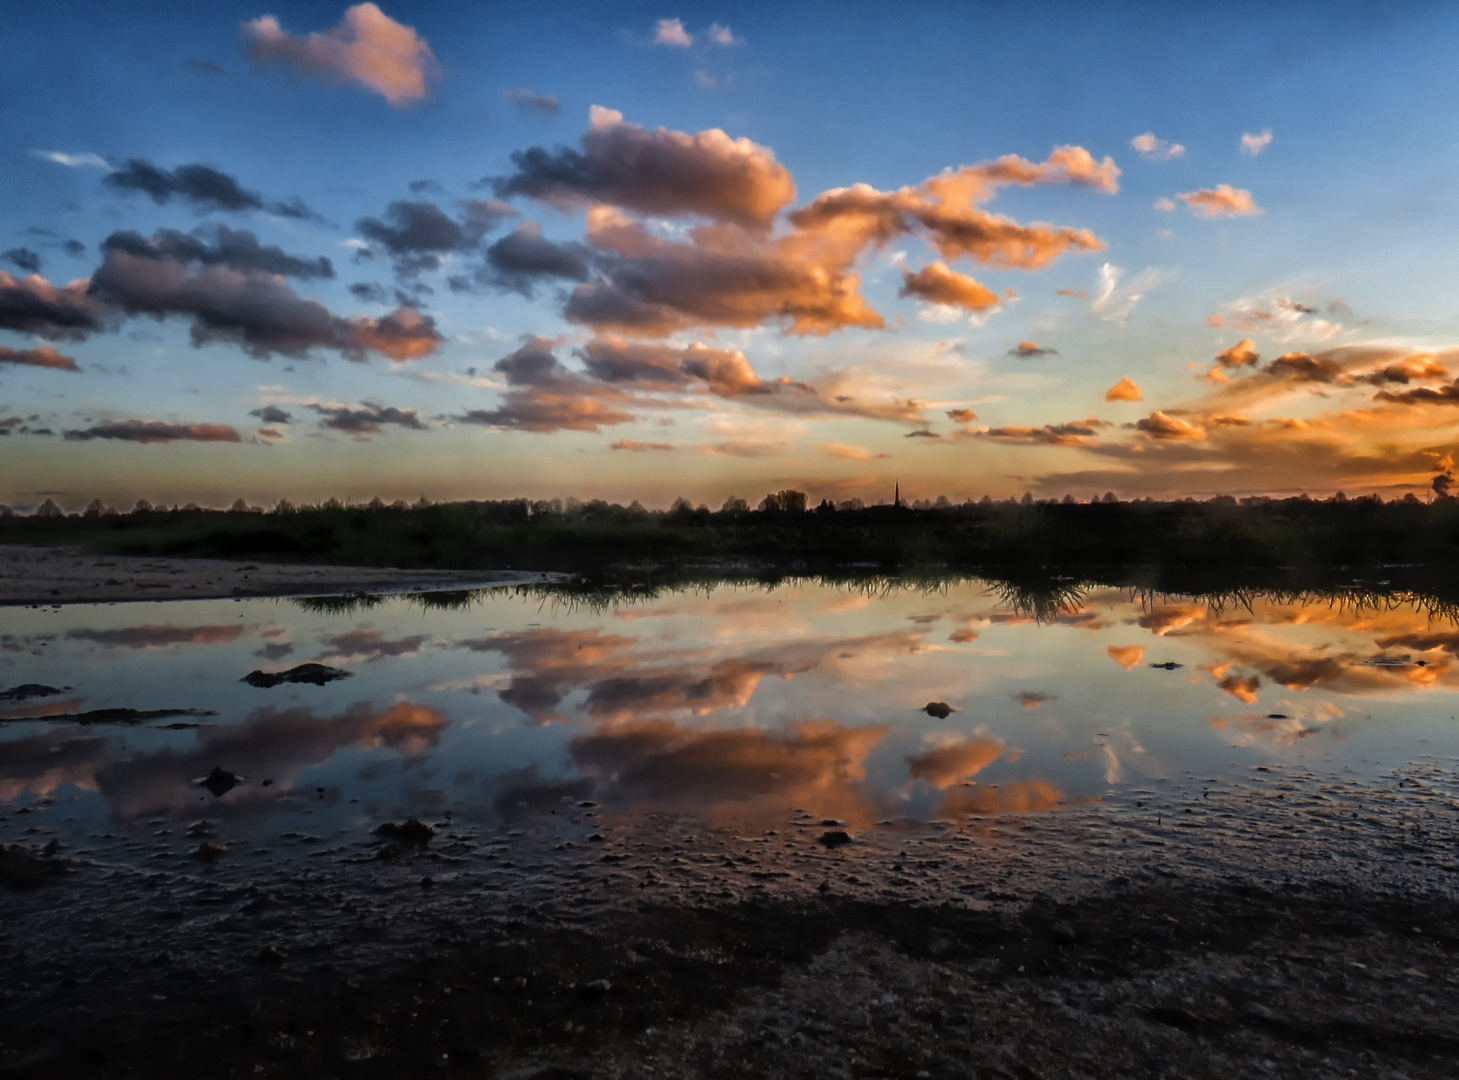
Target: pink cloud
pixel 367 47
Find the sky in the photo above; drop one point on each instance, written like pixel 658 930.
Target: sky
pixel 643 252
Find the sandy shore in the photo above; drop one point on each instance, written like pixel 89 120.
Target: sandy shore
pixel 32 575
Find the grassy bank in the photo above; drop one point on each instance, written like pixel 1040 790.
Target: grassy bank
pixel 1276 537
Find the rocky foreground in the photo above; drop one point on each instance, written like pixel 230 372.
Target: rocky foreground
pixel 1296 925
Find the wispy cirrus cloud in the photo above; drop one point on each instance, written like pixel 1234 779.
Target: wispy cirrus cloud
pixel 528 102
pixel 84 160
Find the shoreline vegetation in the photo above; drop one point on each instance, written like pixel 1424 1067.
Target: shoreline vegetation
pixel 1362 546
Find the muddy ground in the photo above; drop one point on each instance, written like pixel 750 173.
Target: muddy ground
pixel 1299 926
pixel 34 575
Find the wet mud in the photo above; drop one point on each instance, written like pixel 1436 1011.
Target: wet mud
pixel 1307 929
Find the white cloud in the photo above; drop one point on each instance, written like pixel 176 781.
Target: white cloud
pixel 723 35
pixel 1252 145
pixel 1152 149
pixel 671 32
pixel 73 161
pixel 1165 204
pixel 1114 302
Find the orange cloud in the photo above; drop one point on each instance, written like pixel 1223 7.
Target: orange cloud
pixel 1242 354
pixel 733 271
pixel 961 416
pixel 1124 390
pixel 1221 201
pixel 1128 657
pixel 1079 433
pixel 43 358
pixel 1029 350
pixel 850 453
pixel 662 173
pixel 367 47
pixel 814 763
pixel 1023 797
pixel 938 284
pixel 1160 426
pixel 952 763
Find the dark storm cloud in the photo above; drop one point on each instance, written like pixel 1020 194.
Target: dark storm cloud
pixel 524 257
pixel 205 187
pixel 368 419
pixel 658 172
pixel 156 431
pixel 272 414
pixel 417 234
pixel 24 258
pixel 257 311
pixel 34 306
pixel 236 248
pixel 369 293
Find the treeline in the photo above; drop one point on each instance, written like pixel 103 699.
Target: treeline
pixel 782 529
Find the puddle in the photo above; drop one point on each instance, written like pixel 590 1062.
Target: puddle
pixel 732 704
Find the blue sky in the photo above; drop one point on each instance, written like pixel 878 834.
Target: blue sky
pixel 1340 252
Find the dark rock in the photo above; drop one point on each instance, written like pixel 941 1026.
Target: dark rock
pixel 122 716
pixel 410 831
pixel 1176 1017
pixel 21 869
pixel 1063 933
pixel 596 988
pixel 272 954
pixel 1169 665
pixel 314 674
pixel 208 852
pixel 940 709
pixel 220 781
pixel 427 882
pixel 31 690
pixel 834 838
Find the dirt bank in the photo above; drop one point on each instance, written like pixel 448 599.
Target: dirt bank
pixel 71 576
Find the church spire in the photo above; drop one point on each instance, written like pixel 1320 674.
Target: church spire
pixel 897 498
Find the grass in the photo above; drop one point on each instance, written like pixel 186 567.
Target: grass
pixel 1175 546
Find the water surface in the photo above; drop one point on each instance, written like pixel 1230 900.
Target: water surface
pixel 734 703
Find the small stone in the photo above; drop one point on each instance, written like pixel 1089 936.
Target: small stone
pixel 939 709
pixel 427 882
pixel 220 781
pixel 596 988
pixel 834 838
pixel 1063 933
pixel 410 831
pixel 272 954
pixel 208 852
pixel 520 982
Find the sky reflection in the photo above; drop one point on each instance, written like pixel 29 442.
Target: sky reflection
pixel 735 702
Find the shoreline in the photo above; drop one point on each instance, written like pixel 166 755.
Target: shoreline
pixel 1090 942
pixel 55 576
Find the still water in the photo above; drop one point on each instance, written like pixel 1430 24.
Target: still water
pixel 730 703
